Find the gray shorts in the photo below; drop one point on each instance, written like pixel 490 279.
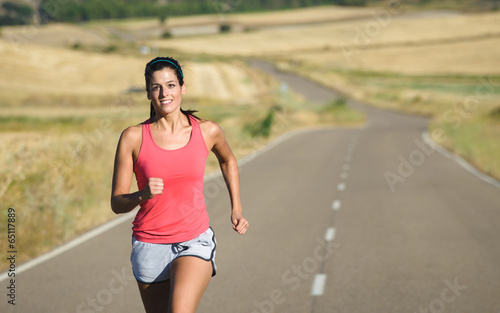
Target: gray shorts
pixel 151 261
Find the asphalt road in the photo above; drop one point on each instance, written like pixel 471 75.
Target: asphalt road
pixel 369 219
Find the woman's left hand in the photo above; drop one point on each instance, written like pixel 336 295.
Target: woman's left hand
pixel 240 224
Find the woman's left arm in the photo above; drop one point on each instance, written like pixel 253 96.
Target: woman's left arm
pixel 229 168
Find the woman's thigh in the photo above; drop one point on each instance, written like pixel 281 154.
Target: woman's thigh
pixel 189 279
pixel 155 297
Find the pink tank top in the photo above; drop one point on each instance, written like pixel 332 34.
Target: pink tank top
pixel 179 213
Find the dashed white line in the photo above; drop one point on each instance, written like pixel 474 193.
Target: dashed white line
pixel 344 175
pixel 336 205
pixel 330 234
pixel 348 158
pixel 318 286
pixel 345 167
pixel 340 186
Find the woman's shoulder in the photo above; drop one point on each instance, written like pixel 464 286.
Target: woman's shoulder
pixel 209 127
pixel 132 134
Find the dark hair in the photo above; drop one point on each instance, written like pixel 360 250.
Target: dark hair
pixel 158 64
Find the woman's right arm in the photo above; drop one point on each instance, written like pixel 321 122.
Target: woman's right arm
pixel 122 201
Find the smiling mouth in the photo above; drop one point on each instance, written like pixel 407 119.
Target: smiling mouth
pixel 165 102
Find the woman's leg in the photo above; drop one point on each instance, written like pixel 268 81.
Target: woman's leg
pixel 155 297
pixel 189 277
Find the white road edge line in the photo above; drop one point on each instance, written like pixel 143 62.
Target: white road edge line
pixel 71 244
pixel 466 165
pixel 336 205
pixel 340 186
pixel 330 234
pixel 318 286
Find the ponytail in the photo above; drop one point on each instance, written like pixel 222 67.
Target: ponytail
pixel 152 111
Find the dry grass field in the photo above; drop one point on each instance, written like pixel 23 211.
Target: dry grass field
pixel 55 35
pixel 47 70
pixel 108 32
pixel 311 15
pixel 36 71
pixel 450 45
pixel 330 38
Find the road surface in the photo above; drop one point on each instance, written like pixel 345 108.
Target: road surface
pixel 370 219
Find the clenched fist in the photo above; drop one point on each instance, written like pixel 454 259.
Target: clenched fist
pixel 154 187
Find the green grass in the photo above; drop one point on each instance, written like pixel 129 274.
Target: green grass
pixel 465 84
pixel 33 123
pixel 337 112
pixel 464 5
pixel 476 139
pixel 261 127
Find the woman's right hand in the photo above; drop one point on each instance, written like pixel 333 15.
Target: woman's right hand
pixel 154 187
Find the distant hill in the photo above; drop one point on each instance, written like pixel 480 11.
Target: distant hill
pixel 85 10
pixel 16 12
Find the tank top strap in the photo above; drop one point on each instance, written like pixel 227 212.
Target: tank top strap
pixel 195 124
pixel 197 135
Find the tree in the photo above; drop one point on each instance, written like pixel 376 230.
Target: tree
pixel 15 14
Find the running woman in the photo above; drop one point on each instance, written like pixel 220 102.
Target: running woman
pixel 173 246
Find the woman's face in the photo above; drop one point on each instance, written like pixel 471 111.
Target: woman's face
pixel 165 92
